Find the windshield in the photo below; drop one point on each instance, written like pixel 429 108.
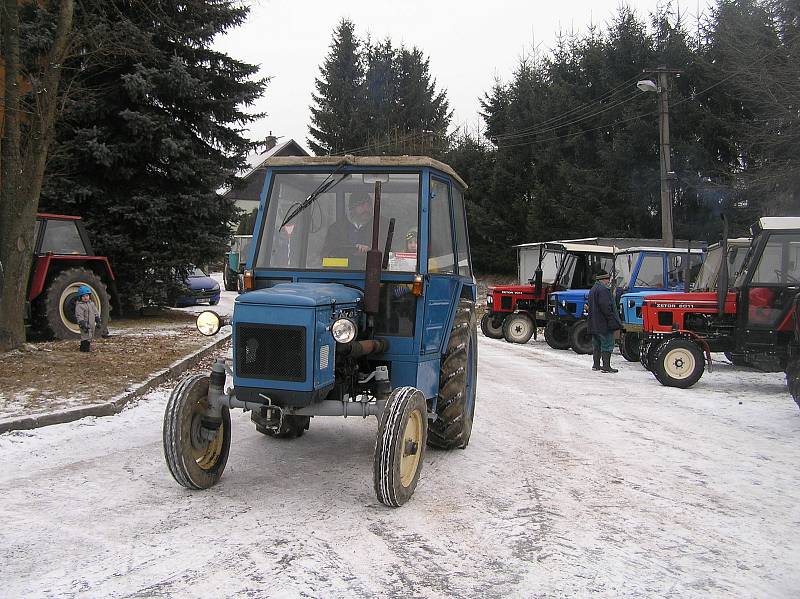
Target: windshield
pixel 778 264
pixel 334 230
pixel 623 264
pixel 550 261
pixel 707 279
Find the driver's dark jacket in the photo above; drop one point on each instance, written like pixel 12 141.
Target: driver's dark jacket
pixel 344 233
pixel 603 317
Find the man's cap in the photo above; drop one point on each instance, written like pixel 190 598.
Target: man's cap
pixel 602 275
pixel 412 233
pixel 358 197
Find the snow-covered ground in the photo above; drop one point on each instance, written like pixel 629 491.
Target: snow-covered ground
pixel 575 483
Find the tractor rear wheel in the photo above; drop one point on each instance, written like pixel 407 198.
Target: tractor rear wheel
pixel 518 328
pixel 400 446
pixel 556 334
pixel 580 338
pixel 490 328
pixel 291 426
pixel 230 279
pixel 196 455
pixel 678 363
pixel 62 294
pixel 455 406
pixel 629 346
pixel 793 378
pixel 647 353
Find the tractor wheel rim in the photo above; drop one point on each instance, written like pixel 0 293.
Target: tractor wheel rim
pixel 205 453
pixel 520 329
pixel 679 363
pixel 410 448
pixel 68 299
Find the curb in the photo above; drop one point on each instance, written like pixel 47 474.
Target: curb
pixel 115 405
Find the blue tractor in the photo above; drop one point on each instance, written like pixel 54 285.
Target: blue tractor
pixel 630 303
pixel 634 269
pixel 358 300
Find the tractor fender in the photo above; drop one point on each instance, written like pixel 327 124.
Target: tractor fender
pixel 45 265
pixel 462 290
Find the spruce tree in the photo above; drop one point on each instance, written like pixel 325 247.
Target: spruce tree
pixel 154 134
pixel 338 116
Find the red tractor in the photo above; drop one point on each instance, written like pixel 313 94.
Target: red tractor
pixel 793 361
pixel 514 312
pixel 753 319
pixel 63 260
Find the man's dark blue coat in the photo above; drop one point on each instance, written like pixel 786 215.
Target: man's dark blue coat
pixel 603 317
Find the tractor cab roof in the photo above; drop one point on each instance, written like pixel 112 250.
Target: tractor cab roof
pixel 370 161
pixel 580 248
pixel 660 249
pixel 776 223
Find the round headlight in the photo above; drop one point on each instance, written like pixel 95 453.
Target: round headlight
pixel 489 299
pixel 208 323
pixel 344 330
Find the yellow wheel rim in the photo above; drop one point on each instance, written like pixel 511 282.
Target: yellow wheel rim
pixel 71 289
pixel 411 448
pixel 205 453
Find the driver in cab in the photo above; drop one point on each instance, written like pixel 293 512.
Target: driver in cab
pixel 350 237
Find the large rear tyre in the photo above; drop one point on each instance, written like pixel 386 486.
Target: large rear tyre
pixel 793 378
pixel 455 406
pixel 196 455
pixel 678 363
pixel 629 346
pixel 62 294
pixel 556 334
pixel 492 326
pixel 230 279
pixel 647 353
pixel 400 446
pixel 580 338
pixel 291 426
pixel 518 328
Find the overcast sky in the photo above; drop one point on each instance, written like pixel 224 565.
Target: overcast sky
pixel 469 43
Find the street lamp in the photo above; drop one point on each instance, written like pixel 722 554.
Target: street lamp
pixel 647 85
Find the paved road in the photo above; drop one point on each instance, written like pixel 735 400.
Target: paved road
pixel 575 484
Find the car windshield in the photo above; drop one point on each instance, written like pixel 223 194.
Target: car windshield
pixel 334 230
pixel 197 273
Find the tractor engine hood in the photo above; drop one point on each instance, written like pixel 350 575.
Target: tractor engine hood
pixel 302 295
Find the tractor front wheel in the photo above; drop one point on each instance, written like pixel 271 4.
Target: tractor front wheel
pixel 580 338
pixel 61 296
pixel 629 346
pixel 678 363
pixel 491 326
pixel 556 334
pixel 518 328
pixel 455 405
pixel 196 455
pixel 793 378
pixel 400 446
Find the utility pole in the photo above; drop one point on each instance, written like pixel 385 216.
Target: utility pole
pixel 664 150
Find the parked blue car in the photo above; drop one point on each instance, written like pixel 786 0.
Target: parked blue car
pixel 198 287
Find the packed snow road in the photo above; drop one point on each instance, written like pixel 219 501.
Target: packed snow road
pixel 575 483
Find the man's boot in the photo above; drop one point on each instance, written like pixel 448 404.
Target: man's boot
pixel 85 346
pixel 607 362
pixel 596 358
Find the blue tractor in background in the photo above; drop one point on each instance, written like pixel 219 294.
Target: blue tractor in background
pixel 634 269
pixel 359 300
pixel 630 303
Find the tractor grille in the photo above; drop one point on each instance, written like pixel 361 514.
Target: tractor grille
pixel 274 352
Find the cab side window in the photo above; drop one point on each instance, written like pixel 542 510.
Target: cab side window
pixel 461 234
pixel 441 258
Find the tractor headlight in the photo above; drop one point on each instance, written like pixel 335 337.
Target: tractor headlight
pixel 631 303
pixel 344 330
pixel 208 323
pixel 564 303
pixel 488 300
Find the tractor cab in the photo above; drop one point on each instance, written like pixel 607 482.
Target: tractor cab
pixel 358 300
pixel 751 320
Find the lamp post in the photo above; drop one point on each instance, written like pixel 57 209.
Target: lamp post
pixel 648 85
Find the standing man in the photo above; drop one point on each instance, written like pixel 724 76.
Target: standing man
pixel 603 321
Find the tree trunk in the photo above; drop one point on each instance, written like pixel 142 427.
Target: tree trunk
pixel 23 166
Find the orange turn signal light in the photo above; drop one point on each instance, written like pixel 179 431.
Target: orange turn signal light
pixel 416 288
pixel 248 282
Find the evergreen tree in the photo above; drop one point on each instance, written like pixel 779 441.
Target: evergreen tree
pixel 338 117
pixel 142 152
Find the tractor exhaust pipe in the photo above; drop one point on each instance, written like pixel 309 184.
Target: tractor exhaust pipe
pixel 372 274
pixel 722 278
